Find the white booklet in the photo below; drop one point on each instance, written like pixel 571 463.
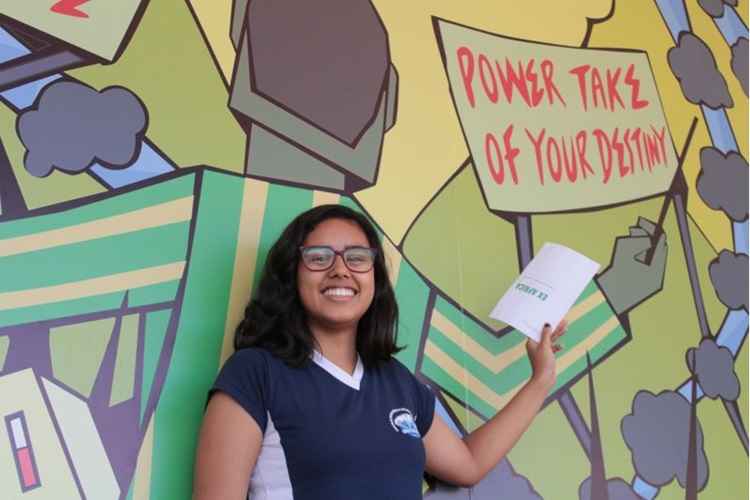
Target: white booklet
pixel 546 290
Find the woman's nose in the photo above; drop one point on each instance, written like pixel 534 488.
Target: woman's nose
pixel 339 266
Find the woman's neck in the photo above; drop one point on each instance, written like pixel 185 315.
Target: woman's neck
pixel 337 346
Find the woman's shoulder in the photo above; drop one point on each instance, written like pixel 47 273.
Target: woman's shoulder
pixel 395 368
pixel 250 354
pixel 258 358
pixel 250 358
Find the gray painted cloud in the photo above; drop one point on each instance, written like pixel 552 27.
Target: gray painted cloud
pixel 714 367
pixel 500 482
pixel 656 431
pixel 739 62
pixel 729 276
pixel 715 8
pixel 722 182
pixel 74 126
pixel 617 489
pixel 695 67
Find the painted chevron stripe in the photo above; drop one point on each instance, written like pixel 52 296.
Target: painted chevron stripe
pixel 470 363
pixel 502 360
pixel 170 212
pixel 92 287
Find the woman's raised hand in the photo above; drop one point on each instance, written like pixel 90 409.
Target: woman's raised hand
pixel 542 354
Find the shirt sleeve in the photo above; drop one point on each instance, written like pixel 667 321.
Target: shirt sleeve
pixel 244 378
pixel 425 406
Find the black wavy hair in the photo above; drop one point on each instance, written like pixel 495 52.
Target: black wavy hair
pixel 275 318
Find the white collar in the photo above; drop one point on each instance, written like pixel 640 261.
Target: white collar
pixel 352 380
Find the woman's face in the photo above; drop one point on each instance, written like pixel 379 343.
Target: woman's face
pixel 335 298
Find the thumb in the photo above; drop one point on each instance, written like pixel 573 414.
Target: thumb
pixel 546 335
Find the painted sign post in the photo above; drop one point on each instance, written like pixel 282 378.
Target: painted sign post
pixel 553 128
pixel 99 27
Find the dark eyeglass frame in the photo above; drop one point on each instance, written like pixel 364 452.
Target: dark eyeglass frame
pixel 342 254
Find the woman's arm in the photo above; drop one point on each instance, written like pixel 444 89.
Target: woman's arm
pixel 228 446
pixel 465 462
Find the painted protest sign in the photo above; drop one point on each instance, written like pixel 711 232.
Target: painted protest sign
pixel 553 128
pixel 100 27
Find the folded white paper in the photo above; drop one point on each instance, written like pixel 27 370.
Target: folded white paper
pixel 546 290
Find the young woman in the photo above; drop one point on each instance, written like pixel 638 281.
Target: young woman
pixel 312 405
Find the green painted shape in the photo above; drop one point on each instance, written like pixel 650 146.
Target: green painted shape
pixel 583 327
pixel 195 357
pixel 172 189
pixel 123 380
pixel 448 383
pixel 501 382
pixel 130 490
pixel 348 202
pixel 152 294
pixel 283 204
pixel 155 332
pixel 412 294
pixel 274 158
pixel 590 288
pixel 77 351
pixel 520 370
pixel 62 309
pixel 94 258
pixel 4 345
pixel 476 330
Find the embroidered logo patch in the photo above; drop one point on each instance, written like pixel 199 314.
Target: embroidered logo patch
pixel 404 422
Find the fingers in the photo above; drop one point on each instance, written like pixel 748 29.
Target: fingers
pixel 631 245
pixel 637 231
pixel 646 224
pixel 550 336
pixel 561 328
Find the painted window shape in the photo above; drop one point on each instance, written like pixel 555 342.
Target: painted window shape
pixel 23 453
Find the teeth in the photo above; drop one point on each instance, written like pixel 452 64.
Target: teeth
pixel 339 292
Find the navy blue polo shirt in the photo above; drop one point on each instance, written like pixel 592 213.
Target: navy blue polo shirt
pixel 329 435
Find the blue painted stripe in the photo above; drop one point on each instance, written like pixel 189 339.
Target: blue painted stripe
pixel 731 26
pixel 740 236
pixel 675 16
pixel 149 163
pixel 643 489
pixel 720 129
pixel 733 331
pixel 686 390
pixel 10 48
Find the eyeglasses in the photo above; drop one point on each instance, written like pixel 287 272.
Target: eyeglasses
pixel 321 258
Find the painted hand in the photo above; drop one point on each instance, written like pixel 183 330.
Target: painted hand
pixel 542 354
pixel 629 280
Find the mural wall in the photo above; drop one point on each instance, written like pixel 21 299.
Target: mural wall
pixel 151 152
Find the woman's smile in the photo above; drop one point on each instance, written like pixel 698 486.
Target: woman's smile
pixel 339 294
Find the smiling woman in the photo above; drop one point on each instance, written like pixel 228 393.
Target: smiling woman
pixel 312 405
pixel 309 298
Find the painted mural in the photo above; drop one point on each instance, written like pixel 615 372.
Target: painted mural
pixel 152 151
